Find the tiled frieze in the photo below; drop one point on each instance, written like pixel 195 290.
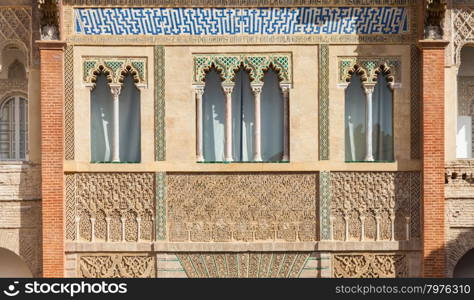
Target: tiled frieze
pixel 256 64
pixel 375 206
pixel 242 207
pixel 369 265
pixel 244 264
pixel 113 207
pixel 249 21
pixel 111 265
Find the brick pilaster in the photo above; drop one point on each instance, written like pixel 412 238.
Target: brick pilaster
pixel 434 254
pixel 52 153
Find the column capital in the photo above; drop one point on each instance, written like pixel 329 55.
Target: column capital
pixel 256 88
pixel 228 88
pixel 432 44
pixel 369 88
pixel 199 90
pixel 115 89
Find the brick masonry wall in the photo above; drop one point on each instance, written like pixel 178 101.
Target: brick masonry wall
pixel 434 253
pixel 52 153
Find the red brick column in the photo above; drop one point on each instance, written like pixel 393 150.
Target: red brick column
pixel 434 254
pixel 52 154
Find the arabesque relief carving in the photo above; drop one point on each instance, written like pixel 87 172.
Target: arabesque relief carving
pixel 375 206
pixel 116 266
pixel 371 265
pixel 242 207
pixel 113 207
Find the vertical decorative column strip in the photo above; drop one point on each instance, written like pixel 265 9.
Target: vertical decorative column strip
pixel 286 124
pixel 71 206
pixel 228 122
pixel 115 89
pixel 160 194
pixel 323 102
pixel 257 131
pixel 433 93
pixel 325 205
pixel 415 104
pixel 69 103
pixel 52 156
pixel 160 133
pixel 369 91
pixel 198 92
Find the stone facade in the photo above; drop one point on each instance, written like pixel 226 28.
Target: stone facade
pixel 172 215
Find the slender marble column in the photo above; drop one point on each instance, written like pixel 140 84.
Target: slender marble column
pixel 92 229
pixel 115 89
pixel 407 228
pixel 286 97
pixel 199 91
pixel 228 122
pixel 107 222
pixel 257 130
pixel 369 91
pixel 362 227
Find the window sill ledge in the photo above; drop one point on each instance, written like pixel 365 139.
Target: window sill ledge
pixel 243 162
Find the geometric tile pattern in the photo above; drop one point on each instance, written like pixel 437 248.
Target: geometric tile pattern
pixel 233 21
pixel 243 264
pixel 323 102
pixel 69 103
pixel 255 64
pixel 160 206
pixel 325 204
pixel 160 133
pixel 415 103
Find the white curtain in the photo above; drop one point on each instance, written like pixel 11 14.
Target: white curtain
pixel 355 121
pixel 101 121
pixel 382 112
pixel 129 120
pixel 272 118
pixel 242 118
pixel 213 109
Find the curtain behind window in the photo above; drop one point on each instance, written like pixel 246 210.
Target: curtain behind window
pixel 355 125
pixel 129 120
pixel 272 118
pixel 382 121
pixel 242 118
pixel 213 109
pixel 101 121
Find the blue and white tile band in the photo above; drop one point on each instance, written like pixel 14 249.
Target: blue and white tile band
pixel 247 21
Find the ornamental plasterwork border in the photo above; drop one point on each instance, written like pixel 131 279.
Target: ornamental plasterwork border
pixel 115 68
pixel 237 3
pixel 368 68
pixel 255 64
pixel 463 31
pixel 160 132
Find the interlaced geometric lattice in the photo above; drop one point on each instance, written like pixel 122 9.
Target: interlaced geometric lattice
pixel 255 64
pixel 115 69
pixel 463 21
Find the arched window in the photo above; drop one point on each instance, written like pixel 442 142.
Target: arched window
pixel 272 118
pixel 369 137
pixel 14 129
pixel 103 128
pixel 465 121
pixel 242 118
pixel 355 120
pixel 245 97
pixel 213 109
